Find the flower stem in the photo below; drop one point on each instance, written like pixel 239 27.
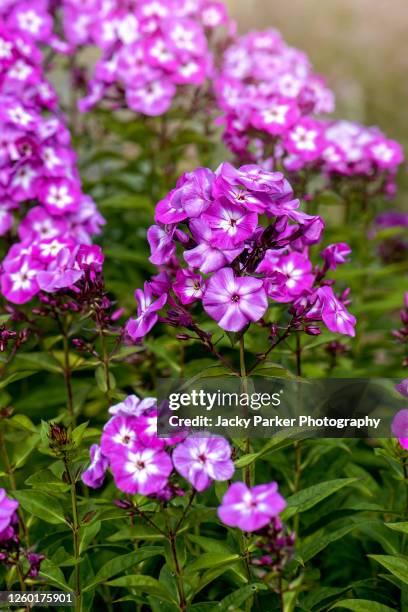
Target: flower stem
pixel 75 535
pixel 105 362
pixel 67 373
pixel 244 389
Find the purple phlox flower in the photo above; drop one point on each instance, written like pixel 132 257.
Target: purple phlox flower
pixel 234 301
pixel 188 287
pixel 47 250
pixel 161 243
pixel 250 509
pixel 204 256
pixel 392 218
pixel 402 387
pixel 171 209
pixel 201 460
pixel 90 257
pixel 197 191
pixel 8 507
pixel 133 406
pixel 292 276
pixel 119 433
pixel 160 283
pixel 19 282
pixel 35 560
pixel 399 427
pixel 146 311
pixel 335 254
pixel 60 196
pixel 147 430
pixel 334 314
pixel 94 475
pixel 230 225
pixel 61 272
pixel 141 470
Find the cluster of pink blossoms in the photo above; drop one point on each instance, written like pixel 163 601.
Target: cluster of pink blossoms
pixel 269 95
pixel 234 263
pixel 37 168
pixel 264 85
pixel 34 19
pixel 343 149
pixel 399 425
pixel 150 48
pixel 143 463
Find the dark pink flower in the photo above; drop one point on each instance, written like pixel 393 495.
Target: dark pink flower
pixel 147 310
pixel 234 301
pixel 8 508
pixel 141 470
pixel 188 287
pixel 201 460
pixel 250 509
pixel 94 475
pixel 335 254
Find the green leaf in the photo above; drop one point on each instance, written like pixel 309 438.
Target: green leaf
pixel 22 422
pixel 310 497
pixel 145 584
pixel 100 377
pixel 237 598
pixel 210 544
pixel 398 566
pixel 87 534
pixel 79 433
pixel 122 563
pixel 53 575
pixel 318 541
pixel 42 505
pixel 402 527
pixel 362 605
pixel 46 478
pixel 14 377
pixel 211 559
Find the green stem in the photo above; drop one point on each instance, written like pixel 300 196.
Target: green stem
pixel 75 536
pixel 244 389
pixel 296 487
pixel 179 576
pixel 105 362
pixel 298 355
pixel 186 509
pixel 67 373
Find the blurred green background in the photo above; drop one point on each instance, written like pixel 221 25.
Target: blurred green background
pixel 360 46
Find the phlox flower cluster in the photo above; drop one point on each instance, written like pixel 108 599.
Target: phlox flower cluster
pixel 35 20
pixel 141 462
pixel 150 48
pixel 399 426
pixel 235 240
pixel 266 86
pixel 37 171
pixel 270 96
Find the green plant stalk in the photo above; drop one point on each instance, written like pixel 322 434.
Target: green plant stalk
pixel 75 536
pixel 248 470
pixel 105 363
pixel 67 373
pixel 244 389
